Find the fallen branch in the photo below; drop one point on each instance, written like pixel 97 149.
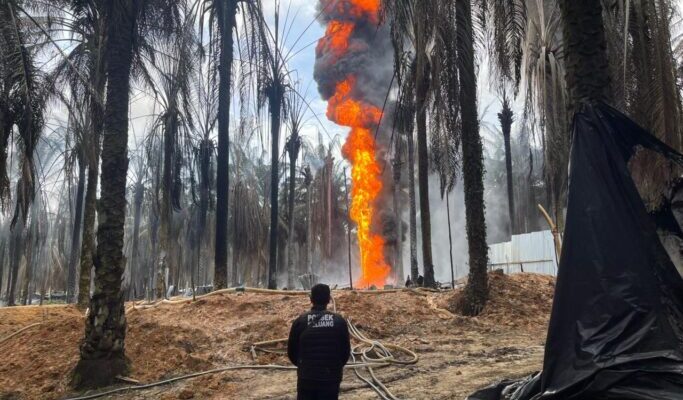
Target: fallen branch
pixel 6 338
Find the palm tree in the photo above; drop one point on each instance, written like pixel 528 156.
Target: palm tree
pixel 506 118
pixel 410 21
pixel 22 100
pixel 644 82
pixel 527 52
pixel 175 72
pixel 82 70
pixel 95 44
pixel 476 292
pixel 423 34
pixel 102 351
pixel 223 13
pixel 588 77
pixel 293 146
pixel 78 211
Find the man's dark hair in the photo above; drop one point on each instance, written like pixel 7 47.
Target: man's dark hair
pixel 320 295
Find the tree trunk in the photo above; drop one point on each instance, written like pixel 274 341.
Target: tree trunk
pixel 28 270
pixel 309 223
pixel 74 255
pixel 587 74
pixel 16 246
pixel 3 241
pixel 166 220
pixel 421 89
pixel 413 207
pixel 226 21
pixel 135 253
pixel 275 108
pixel 506 119
pixel 293 150
pixel 476 291
pixel 90 208
pixel 398 265
pixel 450 238
pixel 102 350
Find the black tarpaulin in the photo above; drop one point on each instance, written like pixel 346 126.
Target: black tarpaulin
pixel 616 328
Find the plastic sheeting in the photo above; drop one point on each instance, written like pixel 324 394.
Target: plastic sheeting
pixel 616 325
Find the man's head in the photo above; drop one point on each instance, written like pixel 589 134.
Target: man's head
pixel 320 295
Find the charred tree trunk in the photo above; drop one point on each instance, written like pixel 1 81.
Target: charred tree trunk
pixel 167 200
pixel 102 350
pixel 293 147
pixel 226 23
pixel 93 152
pixel 506 119
pixel 275 105
pixel 476 291
pixel 398 265
pixel 421 89
pixel 16 246
pixel 74 255
pixel 308 180
pixel 414 272
pixel 2 261
pixel 587 75
pixel 28 270
pixel 135 251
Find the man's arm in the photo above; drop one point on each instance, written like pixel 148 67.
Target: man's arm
pixel 293 342
pixel 345 343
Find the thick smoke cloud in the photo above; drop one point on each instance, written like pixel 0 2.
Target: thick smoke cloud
pixel 369 56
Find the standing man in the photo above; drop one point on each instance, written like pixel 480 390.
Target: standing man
pixel 319 345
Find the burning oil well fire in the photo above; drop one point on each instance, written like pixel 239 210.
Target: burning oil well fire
pixel 354 67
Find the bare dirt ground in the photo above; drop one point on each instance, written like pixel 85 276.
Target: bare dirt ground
pixel 457 354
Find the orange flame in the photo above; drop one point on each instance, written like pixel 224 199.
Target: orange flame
pixel 336 40
pixel 354 9
pixel 366 183
pixel 344 17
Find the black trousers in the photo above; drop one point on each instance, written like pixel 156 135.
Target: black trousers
pixel 318 391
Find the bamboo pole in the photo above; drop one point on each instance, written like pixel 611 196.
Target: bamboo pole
pixel 555 232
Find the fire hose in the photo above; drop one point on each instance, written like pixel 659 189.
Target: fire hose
pixel 369 354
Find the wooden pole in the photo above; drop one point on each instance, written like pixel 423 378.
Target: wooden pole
pixel 348 229
pixel 556 233
pixel 450 240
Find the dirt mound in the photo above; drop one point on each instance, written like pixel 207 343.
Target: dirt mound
pixel 171 340
pixel 520 301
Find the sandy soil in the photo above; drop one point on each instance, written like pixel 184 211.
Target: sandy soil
pixel 457 354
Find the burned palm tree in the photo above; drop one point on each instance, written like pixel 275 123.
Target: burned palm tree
pixel 102 351
pixel 222 20
pixel 249 213
pixel 433 90
pixel 82 71
pixel 405 124
pixel 646 84
pixel 506 118
pixel 204 111
pixel 174 70
pixel 293 146
pixel 476 292
pixel 22 100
